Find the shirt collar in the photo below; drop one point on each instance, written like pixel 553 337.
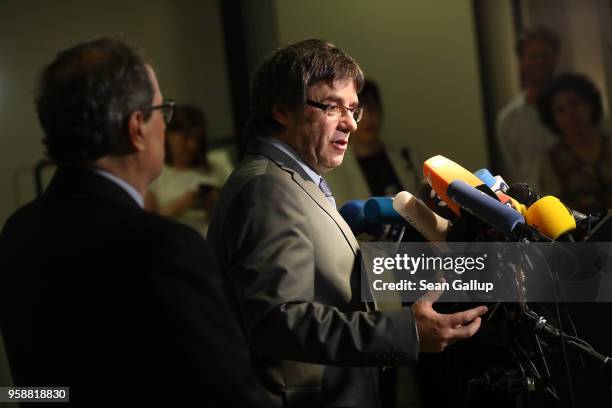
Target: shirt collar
pixel 285 148
pixel 124 185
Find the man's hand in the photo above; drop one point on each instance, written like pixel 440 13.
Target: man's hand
pixel 436 330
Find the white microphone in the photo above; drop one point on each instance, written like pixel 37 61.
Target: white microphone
pixel 431 225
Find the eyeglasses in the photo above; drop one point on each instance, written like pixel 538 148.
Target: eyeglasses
pixel 336 110
pixel 167 109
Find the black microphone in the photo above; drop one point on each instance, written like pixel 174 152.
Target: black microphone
pixel 524 194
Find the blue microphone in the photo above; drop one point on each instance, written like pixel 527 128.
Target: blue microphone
pixel 495 183
pixel 379 210
pixel 486 177
pixel 491 211
pixel 353 214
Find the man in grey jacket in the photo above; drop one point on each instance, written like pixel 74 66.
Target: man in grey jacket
pixel 292 257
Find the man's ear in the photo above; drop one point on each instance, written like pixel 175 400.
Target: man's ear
pixel 135 122
pixel 279 114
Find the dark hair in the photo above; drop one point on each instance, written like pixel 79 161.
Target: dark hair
pixel 86 96
pixel 578 84
pixel 540 33
pixel 190 122
pixel 285 76
pixel 369 97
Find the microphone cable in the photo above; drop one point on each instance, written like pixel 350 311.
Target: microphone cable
pixel 562 336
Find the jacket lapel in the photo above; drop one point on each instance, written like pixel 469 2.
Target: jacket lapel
pixel 300 177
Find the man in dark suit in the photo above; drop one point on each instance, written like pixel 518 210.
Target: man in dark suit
pixel 122 306
pixel 292 257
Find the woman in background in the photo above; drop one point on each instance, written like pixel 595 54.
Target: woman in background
pixel 189 183
pixel 578 168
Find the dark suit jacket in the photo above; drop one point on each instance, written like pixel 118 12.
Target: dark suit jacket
pixel 296 265
pixel 123 306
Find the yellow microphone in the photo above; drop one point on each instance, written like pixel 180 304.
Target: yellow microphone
pixel 551 217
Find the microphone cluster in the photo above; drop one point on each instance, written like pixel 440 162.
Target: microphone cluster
pixel 455 204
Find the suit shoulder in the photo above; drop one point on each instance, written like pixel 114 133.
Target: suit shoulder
pixel 23 218
pixel 257 187
pixel 166 238
pixel 163 226
pixel 259 166
pixel 261 175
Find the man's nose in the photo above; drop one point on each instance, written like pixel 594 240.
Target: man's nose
pixel 349 123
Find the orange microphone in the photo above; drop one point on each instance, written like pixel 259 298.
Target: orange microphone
pixel 440 172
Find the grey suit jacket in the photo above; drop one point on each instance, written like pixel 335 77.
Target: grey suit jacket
pixel 295 265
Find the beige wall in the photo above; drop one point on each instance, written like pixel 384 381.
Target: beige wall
pixel 423 55
pixel 182 37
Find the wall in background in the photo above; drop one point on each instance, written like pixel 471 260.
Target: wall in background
pixel 498 35
pixel 423 55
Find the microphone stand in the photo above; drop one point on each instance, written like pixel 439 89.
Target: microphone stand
pixel 541 326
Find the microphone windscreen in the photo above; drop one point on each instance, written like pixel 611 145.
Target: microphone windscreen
pixel 433 227
pixel 484 207
pixel 379 210
pixel 522 193
pixel 440 172
pixel 551 217
pixel 353 214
